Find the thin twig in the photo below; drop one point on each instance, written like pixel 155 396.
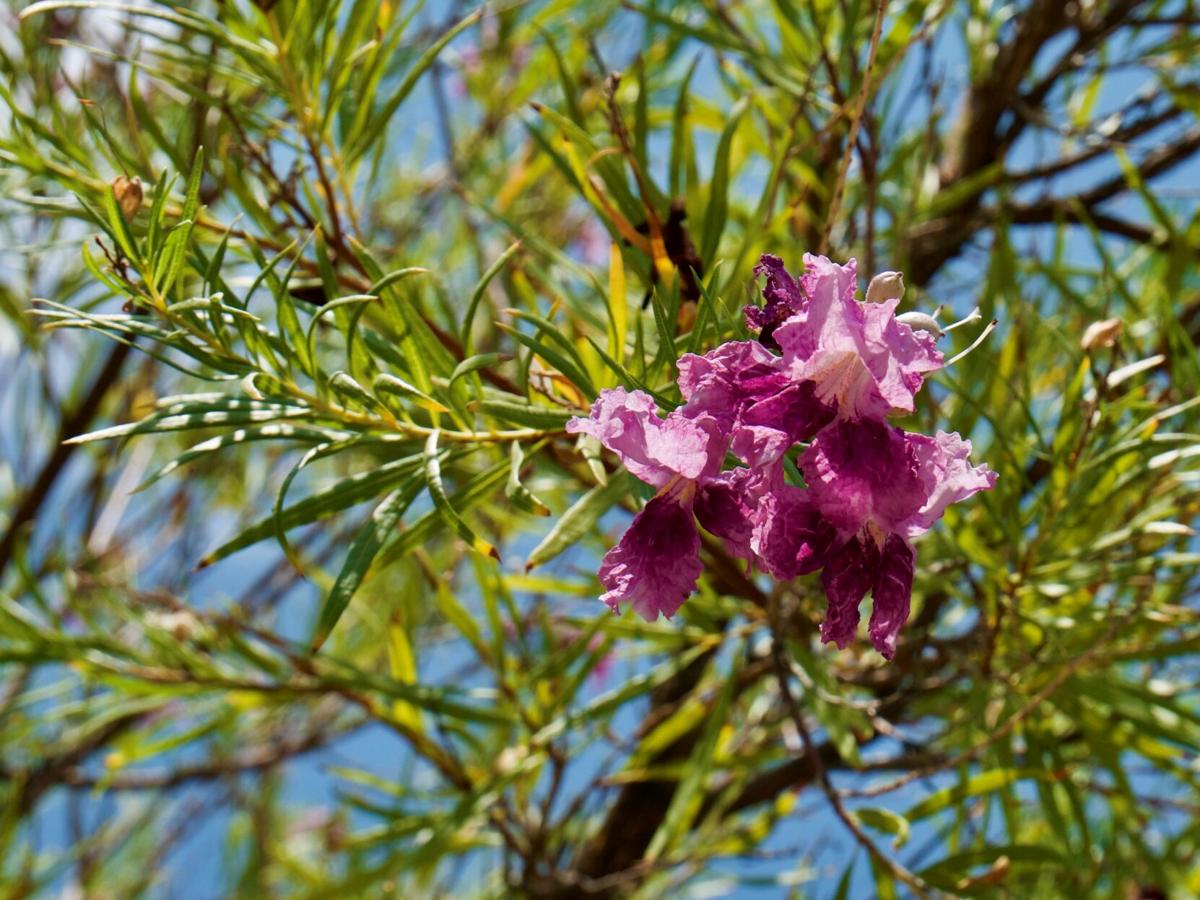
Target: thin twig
pixel 863 93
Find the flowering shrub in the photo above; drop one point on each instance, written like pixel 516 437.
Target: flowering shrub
pixel 843 366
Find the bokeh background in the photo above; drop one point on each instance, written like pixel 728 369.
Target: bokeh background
pixel 164 728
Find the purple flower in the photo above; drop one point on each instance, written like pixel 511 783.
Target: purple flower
pixel 726 507
pixel 655 450
pixel 656 563
pixel 862 565
pixel 790 537
pixel 870 488
pixel 877 487
pixel 873 476
pixel 861 359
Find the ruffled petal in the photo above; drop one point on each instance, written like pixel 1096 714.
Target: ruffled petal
pixel 859 356
pixel 726 506
pixel 864 472
pixel 655 565
pixel 794 413
pixel 848 574
pixel 943 466
pixel 726 380
pixel 653 449
pixel 790 536
pixel 891 594
pixel 781 293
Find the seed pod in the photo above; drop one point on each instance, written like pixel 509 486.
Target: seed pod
pixel 1101 334
pixel 128 192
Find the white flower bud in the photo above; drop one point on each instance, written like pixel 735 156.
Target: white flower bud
pixel 920 321
pixel 885 286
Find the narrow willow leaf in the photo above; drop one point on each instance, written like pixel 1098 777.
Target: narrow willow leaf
pixel 527 414
pixel 681 140
pixel 475 491
pixel 348 389
pixel 190 421
pixel 517 492
pixel 171 261
pixel 403 663
pixel 477 362
pixel 887 821
pixel 973 786
pixel 618 305
pixel 273 432
pixel 191 200
pixel 386 383
pixel 158 204
pixel 118 228
pixel 437 490
pixel 718 191
pixel 395 277
pixel 362 553
pixel 570 368
pixel 580 519
pixel 342 494
pixel 370 122
pixel 480 289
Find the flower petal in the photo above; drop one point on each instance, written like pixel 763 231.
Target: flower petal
pixel 848 574
pixel 790 536
pixel 655 565
pixel 653 449
pixel 943 466
pixel 726 506
pixel 724 381
pixel 864 472
pixel 860 357
pixel 795 412
pixel 782 295
pixel 891 594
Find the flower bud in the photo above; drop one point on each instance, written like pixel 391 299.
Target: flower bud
pixel 128 192
pixel 919 321
pixel 885 286
pixel 1101 334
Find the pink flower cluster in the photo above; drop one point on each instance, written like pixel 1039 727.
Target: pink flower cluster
pixel 842 367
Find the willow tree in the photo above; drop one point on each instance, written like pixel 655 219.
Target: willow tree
pixel 305 306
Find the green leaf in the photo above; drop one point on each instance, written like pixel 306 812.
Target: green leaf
pixel 340 495
pixel 885 820
pixel 480 289
pixel 517 492
pixel 477 362
pixel 362 553
pixel 973 786
pixel 717 209
pixel 529 415
pixel 433 477
pixel 370 122
pixel 580 519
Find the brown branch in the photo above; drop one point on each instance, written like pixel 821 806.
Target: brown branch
pixel 256 759
pixel 75 423
pixel 820 775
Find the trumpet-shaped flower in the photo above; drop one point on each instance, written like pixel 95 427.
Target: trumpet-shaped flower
pixel 655 565
pixel 877 487
pixel 859 357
